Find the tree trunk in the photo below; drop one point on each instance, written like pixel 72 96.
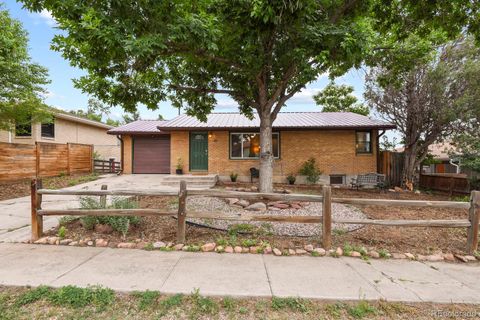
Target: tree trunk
pixel 266 153
pixel 409 165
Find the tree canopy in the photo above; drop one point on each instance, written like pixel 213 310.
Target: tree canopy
pixel 21 81
pixel 339 98
pixel 259 52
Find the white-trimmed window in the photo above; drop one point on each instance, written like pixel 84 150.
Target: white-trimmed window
pixel 246 145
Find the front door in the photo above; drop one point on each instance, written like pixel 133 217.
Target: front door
pixel 198 151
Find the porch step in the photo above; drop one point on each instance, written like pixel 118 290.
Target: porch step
pixel 207 181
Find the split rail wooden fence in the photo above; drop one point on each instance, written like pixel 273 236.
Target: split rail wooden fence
pixel 471 222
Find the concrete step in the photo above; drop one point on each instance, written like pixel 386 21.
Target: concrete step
pixel 190 184
pixel 188 178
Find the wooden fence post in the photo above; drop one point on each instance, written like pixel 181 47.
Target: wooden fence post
pixel 327 217
pixel 474 218
pixel 36 204
pixel 103 198
pixel 37 159
pixel 182 212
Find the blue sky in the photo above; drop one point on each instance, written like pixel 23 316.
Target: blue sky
pixel 62 94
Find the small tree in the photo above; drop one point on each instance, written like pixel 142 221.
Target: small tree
pixel 311 171
pixel 339 98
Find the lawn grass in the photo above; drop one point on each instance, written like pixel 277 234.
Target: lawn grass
pixel 72 302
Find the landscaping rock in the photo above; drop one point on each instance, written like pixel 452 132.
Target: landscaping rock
pixel 185 248
pixel 237 249
pixel 308 248
pixel 254 188
pixel 339 251
pixel 219 249
pixel 421 257
pixel 300 251
pixel 159 244
pixel 242 203
pixel 281 206
pixel 90 243
pixel 229 249
pixel 296 206
pixel 448 257
pixel 126 245
pixel 277 252
pixel 103 228
pixel 355 254
pixel 258 206
pixel 43 240
pixel 396 255
pixel 101 243
pixel 73 243
pixel 374 254
pixel 65 242
pixel 245 249
pixel 178 246
pixel 274 209
pixel 207 247
pixel 470 258
pixel 291 252
pixel 435 257
pixel 231 201
pixel 254 249
pixel 53 240
pixel 410 256
pixel 267 250
pixel 320 251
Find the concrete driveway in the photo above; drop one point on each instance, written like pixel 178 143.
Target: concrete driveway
pixel 15 213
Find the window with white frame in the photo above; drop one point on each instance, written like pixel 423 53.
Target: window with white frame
pixel 246 145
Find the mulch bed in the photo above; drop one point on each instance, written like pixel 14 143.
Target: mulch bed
pixel 394 239
pixel 21 188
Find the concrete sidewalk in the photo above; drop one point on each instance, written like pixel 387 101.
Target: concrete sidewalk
pixel 239 274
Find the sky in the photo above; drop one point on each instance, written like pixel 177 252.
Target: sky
pixel 62 94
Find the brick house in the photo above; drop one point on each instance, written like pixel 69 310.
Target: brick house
pixel 344 145
pixel 67 128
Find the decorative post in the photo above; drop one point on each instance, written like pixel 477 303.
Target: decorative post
pixel 474 218
pixel 327 217
pixel 182 212
pixel 103 198
pixel 36 204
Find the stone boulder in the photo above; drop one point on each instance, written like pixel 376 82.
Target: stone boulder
pixel 258 206
pixel 242 203
pixel 207 247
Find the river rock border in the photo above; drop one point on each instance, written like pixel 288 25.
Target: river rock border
pixel 257 249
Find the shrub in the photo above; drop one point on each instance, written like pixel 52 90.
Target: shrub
pixel 311 171
pixel 233 177
pixel 291 178
pixel 474 183
pixel 120 224
pixel 62 232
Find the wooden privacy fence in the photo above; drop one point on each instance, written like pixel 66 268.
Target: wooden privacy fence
pixel 447 182
pixel 106 166
pixel 471 222
pixel 21 161
pixel 391 165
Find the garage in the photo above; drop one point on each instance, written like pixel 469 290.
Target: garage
pixel 151 154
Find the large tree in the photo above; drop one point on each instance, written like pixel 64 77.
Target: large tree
pixel 340 98
pixel 260 52
pixel 437 100
pixel 21 81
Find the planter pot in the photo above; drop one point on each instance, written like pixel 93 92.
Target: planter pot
pixel 233 180
pixel 291 182
pixel 179 171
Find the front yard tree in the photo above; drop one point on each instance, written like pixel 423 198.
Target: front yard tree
pixel 435 101
pixel 21 80
pixel 339 98
pixel 258 52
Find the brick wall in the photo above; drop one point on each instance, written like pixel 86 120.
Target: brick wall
pixel 333 150
pixel 179 142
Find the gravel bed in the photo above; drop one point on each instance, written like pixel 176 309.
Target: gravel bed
pixel 339 211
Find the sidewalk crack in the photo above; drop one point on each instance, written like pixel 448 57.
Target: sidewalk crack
pixel 268 276
pixel 366 280
pixel 171 270
pixel 77 266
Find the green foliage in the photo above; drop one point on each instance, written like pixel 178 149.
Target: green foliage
pixel 146 299
pixel 32 295
pixel 311 171
pixel 384 253
pixel 294 304
pixel 249 242
pixel 81 297
pixel 228 303
pixel 203 304
pixel 131 117
pixel 361 310
pixel 339 98
pixel 291 178
pixel 21 81
pixel 172 301
pixel 179 164
pixel 235 229
pixel 474 183
pixel 62 231
pixel 63 221
pixel 118 223
pixel 233 177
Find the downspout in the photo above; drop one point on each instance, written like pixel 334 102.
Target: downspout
pixel 119 137
pixel 378 149
pixel 457 166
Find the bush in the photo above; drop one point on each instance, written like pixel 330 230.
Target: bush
pixel 474 183
pixel 311 171
pixel 120 224
pixel 233 177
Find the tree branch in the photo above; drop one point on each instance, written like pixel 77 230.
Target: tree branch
pixel 203 90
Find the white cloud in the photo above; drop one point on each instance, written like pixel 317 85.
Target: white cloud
pixel 304 96
pixel 226 104
pixel 45 16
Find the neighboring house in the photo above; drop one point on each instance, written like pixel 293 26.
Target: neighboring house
pixel 344 145
pixel 67 128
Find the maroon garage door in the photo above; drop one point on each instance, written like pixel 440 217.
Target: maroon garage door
pixel 151 154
